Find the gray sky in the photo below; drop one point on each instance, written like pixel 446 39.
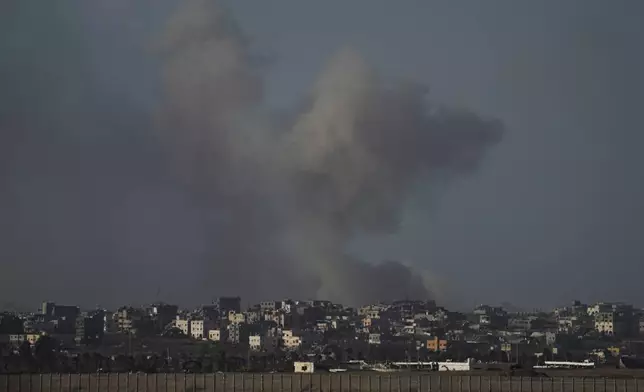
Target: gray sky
pixel 554 212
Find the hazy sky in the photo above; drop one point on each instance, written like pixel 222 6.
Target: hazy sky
pixel 555 211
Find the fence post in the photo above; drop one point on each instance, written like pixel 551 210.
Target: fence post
pixel 261 382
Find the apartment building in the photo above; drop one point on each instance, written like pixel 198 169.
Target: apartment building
pixel 435 344
pixel 236 317
pixel 183 324
pixel 199 328
pixel 262 343
pixel 217 335
pixel 375 339
pixel 291 341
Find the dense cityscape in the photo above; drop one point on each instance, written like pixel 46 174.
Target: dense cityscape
pixel 277 335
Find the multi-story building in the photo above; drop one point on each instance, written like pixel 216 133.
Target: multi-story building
pixel 32 338
pixel 47 310
pixel 237 333
pixel 435 344
pixel 266 306
pixel 90 327
pixel 621 323
pixel 65 317
pixel 126 319
pixel 291 341
pixel 375 339
pixel 491 316
pixel 217 335
pixel 253 316
pixel 228 304
pixel 163 314
pixel 236 317
pixel 199 329
pixel 183 324
pixel 262 343
pixel 371 311
pixel 606 307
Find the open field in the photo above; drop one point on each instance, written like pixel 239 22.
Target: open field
pixel 317 382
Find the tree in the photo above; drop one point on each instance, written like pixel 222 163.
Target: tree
pixel 26 359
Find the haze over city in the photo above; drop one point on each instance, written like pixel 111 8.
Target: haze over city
pixel 356 151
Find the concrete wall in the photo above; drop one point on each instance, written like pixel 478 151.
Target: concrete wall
pixel 317 382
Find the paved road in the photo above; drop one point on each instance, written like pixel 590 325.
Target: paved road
pixel 319 382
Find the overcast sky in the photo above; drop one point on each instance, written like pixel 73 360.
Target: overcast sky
pixel 554 212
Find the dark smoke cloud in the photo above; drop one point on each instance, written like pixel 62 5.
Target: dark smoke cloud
pixel 209 194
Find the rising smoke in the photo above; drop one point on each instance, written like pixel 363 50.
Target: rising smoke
pixel 296 197
pixel 213 186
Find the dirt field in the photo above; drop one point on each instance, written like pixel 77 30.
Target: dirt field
pixel 318 382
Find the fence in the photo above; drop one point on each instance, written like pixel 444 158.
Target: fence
pixel 317 382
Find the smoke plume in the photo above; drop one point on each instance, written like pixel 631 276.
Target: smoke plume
pixel 297 195
pixel 210 194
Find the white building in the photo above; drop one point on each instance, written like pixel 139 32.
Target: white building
pixel 236 318
pixel 303 367
pixel 199 329
pixel 183 325
pixel 214 335
pixel 292 342
pixel 262 343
